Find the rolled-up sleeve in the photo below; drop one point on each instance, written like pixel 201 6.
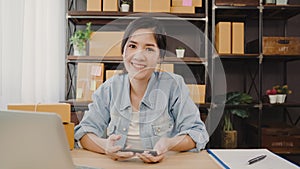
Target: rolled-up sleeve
pixel 187 116
pixel 96 119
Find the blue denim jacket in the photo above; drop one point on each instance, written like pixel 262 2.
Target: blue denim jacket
pixel 166 110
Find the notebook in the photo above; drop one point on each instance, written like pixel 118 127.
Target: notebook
pixel 31 140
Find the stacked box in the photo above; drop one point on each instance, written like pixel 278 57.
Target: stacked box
pixel 281 45
pixel 183 6
pixel 165 67
pixel 62 109
pixel 238 2
pixel 197 93
pixel 281 140
pixel 195 3
pixel 106 44
pixel 89 78
pixel 151 6
pixel 223 38
pixel 111 73
pixel 110 5
pixel 238 42
pixel 93 5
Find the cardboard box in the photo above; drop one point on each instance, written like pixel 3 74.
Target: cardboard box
pixel 183 9
pixel 281 45
pixel 195 3
pixel 238 42
pixel 165 67
pixel 110 5
pixel 62 109
pixel 93 5
pixel 106 44
pixel 89 78
pixel 197 93
pixel 151 5
pixel 69 130
pixel 110 73
pixel 238 2
pixel 223 38
pixel 281 140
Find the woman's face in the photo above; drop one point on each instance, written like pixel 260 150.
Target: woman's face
pixel 141 54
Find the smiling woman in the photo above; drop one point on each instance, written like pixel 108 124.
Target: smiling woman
pixel 142 108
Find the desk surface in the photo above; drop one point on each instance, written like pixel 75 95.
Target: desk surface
pixel 174 160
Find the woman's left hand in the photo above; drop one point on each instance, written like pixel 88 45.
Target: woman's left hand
pixel 161 147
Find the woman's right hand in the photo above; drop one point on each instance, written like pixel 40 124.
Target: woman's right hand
pixel 113 151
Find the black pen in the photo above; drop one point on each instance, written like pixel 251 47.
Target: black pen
pixel 253 160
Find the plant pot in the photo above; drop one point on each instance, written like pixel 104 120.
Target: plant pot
pixel 270 1
pixel 79 51
pixel 281 2
pixel 273 99
pixel 125 8
pixel 180 53
pixel 229 139
pixel 280 98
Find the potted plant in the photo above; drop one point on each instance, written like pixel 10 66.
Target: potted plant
pixel 281 92
pixel 79 40
pixel 180 52
pixel 125 5
pixel 229 135
pixel 272 95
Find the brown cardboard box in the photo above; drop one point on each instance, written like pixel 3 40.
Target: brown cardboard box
pixel 106 44
pixel 89 78
pixel 183 9
pixel 110 5
pixel 151 5
pixel 238 2
pixel 196 3
pixel 223 38
pixel 93 5
pixel 165 67
pixel 281 45
pixel 69 130
pixel 110 73
pixel 281 140
pixel 197 93
pixel 62 109
pixel 238 35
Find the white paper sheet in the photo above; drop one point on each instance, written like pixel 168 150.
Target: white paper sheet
pixel 238 159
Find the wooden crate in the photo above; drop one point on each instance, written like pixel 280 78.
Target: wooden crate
pixel 281 45
pixel 238 2
pixel 281 140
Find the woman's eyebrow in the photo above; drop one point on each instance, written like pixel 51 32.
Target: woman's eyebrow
pixel 147 44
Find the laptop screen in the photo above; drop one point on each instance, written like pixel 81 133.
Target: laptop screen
pixel 31 140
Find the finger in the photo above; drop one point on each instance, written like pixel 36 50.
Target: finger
pixel 113 149
pixel 153 158
pixel 142 157
pixel 125 154
pixel 114 137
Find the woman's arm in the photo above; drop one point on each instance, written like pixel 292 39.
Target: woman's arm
pixel 93 143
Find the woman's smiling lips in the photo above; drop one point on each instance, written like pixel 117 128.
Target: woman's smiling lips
pixel 138 65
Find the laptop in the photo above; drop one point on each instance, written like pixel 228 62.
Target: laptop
pixel 31 140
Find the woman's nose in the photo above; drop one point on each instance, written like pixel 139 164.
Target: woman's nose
pixel 140 55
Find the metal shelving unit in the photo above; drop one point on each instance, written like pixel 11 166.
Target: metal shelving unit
pixel 260 14
pixel 78 18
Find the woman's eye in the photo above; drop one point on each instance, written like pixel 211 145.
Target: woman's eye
pixel 150 49
pixel 132 46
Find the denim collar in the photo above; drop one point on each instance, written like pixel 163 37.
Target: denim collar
pixel 125 102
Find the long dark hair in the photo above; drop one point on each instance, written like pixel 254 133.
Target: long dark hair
pixel 147 22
